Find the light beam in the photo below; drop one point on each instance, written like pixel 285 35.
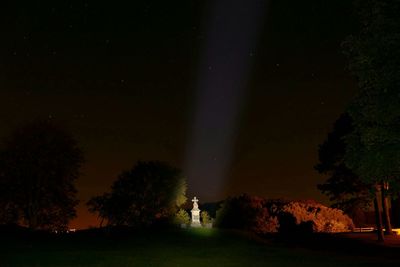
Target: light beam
pixel 223 75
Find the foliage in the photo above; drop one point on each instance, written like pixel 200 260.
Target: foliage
pixel 205 217
pixel 182 217
pixel 38 166
pixel 313 217
pixel 373 148
pixel 181 193
pixel 268 216
pixel 271 225
pixel 247 213
pixel 103 206
pixel 146 194
pixel 344 188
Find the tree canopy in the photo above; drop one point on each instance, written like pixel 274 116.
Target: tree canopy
pixel 373 148
pixel 149 192
pixel 39 164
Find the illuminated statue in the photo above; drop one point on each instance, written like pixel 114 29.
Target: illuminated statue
pixel 195 213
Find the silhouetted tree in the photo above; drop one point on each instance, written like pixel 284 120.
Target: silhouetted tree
pixel 373 147
pixel 149 192
pixel 102 206
pixel 347 191
pixel 38 166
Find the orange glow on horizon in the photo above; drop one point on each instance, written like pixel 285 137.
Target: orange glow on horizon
pixel 84 219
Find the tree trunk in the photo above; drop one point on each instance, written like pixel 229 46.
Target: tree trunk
pixel 386 213
pixel 378 216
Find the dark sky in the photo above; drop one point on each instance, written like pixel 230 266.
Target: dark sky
pixel 236 93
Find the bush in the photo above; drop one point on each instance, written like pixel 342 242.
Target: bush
pixel 246 213
pixel 313 217
pixel 271 226
pixel 269 216
pixel 205 217
pixel 182 217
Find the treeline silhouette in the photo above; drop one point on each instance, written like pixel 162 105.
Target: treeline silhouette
pixel 39 163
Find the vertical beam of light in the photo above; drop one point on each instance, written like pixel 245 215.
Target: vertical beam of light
pixel 225 65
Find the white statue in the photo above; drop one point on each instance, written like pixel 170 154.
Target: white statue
pixel 195 213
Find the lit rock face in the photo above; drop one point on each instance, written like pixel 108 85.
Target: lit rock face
pixel 195 213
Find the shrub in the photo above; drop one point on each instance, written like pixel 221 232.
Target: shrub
pixel 271 225
pixel 182 217
pixel 313 217
pixel 205 217
pixel 246 213
pixel 269 216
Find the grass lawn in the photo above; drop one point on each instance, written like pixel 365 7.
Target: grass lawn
pixel 194 247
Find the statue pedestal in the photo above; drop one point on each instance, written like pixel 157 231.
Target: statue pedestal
pixel 195 218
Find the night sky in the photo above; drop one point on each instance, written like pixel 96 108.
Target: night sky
pixel 238 94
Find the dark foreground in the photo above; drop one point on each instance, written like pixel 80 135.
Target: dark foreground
pixel 187 248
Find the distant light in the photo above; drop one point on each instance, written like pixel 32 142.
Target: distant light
pixel 397 231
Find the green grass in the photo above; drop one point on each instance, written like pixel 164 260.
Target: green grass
pixel 187 248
